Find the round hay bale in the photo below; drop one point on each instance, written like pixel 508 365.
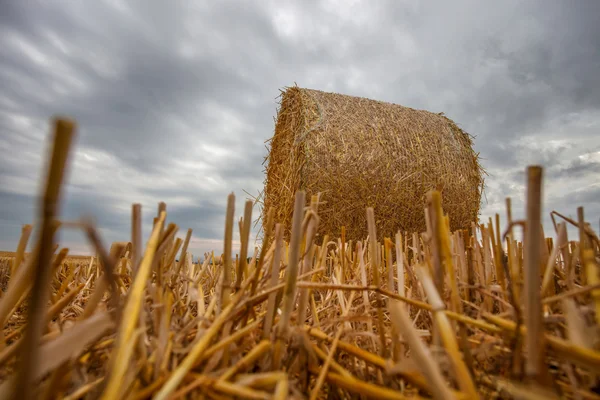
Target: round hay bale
pixel 361 153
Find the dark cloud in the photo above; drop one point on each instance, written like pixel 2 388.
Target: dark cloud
pixel 206 220
pixel 567 205
pixel 147 111
pixel 510 68
pixel 19 209
pixel 16 210
pixel 576 169
pixel 587 196
pixel 174 101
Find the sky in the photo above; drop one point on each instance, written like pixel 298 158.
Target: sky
pixel 174 100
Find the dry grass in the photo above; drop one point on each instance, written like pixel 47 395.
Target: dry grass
pixel 434 314
pixel 358 153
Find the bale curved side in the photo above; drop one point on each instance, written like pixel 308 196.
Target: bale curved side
pixel 285 159
pixel 363 153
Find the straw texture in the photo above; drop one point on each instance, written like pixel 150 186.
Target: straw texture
pixel 361 153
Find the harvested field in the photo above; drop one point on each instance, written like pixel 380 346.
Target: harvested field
pixel 434 314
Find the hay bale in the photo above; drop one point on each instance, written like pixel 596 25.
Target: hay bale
pixel 364 153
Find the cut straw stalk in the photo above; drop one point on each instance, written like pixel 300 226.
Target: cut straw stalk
pixel 343 255
pixel 238 334
pixel 498 255
pixel 254 354
pixel 282 389
pixel 232 390
pixel 266 245
pixel 435 217
pixel 52 312
pixel 447 335
pixel 375 268
pixel 323 373
pixel 18 287
pixel 578 330
pixel 355 385
pixel 196 352
pixel 446 252
pixel 400 265
pixel 333 365
pixel 83 390
pixel 271 305
pixel 569 351
pixel 592 271
pixel 64 133
pixel 260 380
pixel 363 276
pixel 583 242
pixel 136 236
pixel 131 313
pixel 245 238
pixel 290 278
pixel 66 346
pixel 25 234
pixel 228 267
pixel 435 380
pixel 571 293
pixel 227 263
pixel 549 270
pixel 533 306
pixel 307 261
pixel 388 261
pixel 411 376
pixel 182 256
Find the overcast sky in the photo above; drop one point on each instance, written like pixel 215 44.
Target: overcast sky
pixel 175 99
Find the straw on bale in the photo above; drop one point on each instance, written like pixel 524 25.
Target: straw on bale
pixel 362 153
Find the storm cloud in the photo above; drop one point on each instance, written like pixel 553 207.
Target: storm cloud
pixel 174 101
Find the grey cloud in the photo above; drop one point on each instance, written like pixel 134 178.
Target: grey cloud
pixel 16 211
pixel 247 165
pixel 518 176
pixel 499 194
pixel 97 206
pixel 514 66
pixel 21 209
pixel 576 169
pixel 586 198
pixel 555 168
pixel 496 153
pixel 142 108
pixel 205 219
